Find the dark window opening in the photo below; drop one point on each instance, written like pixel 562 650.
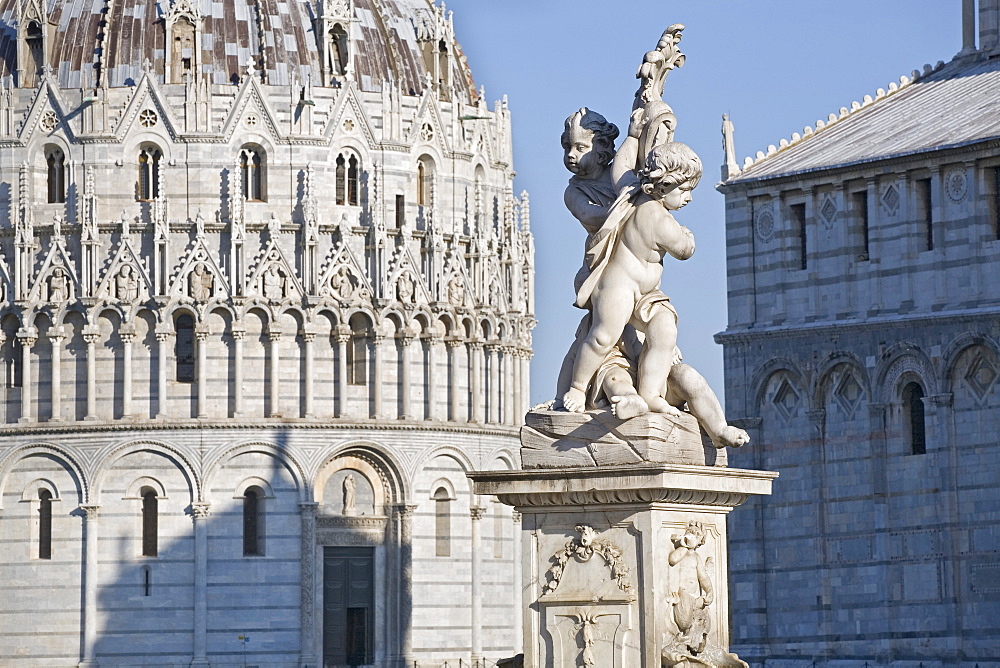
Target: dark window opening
pixel 184 349
pixel 55 163
pixel 147 581
pixel 338 51
pixel 860 201
pixel 252 174
pixel 341 178
pixel 252 522
pixel 400 211
pixel 44 524
pixel 421 184
pixel 442 523
pixel 925 208
pixel 798 212
pixel 149 523
pixel 148 187
pixel 913 405
pixel 352 181
pixel 36 53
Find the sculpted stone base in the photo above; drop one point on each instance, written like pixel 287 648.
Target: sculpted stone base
pixel 558 438
pixel 625 566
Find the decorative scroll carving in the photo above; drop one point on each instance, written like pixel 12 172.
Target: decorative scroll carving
pixel 583 549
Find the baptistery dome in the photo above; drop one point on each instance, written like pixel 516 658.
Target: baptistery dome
pixel 267 298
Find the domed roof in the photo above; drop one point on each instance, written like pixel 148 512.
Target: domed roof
pixel 93 38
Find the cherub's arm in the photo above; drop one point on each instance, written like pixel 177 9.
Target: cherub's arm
pixel 590 215
pixel 672 237
pixel 706 583
pixel 676 555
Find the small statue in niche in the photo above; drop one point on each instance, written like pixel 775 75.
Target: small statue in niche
pixel 690 595
pixel 405 289
pixel 274 283
pixel 58 285
pixel 126 284
pixel 456 291
pixel 350 496
pixel 199 224
pixel 201 283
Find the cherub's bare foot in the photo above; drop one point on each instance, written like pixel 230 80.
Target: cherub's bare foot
pixel 730 437
pixel 660 405
pixel 628 406
pixel 574 401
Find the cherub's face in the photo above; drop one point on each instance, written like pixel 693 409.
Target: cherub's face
pixel 580 156
pixel 675 198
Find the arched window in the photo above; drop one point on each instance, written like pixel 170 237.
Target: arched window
pixel 148 186
pixel 341 177
pixel 150 517
pixel 55 163
pixel 423 197
pixel 36 53
pixel 352 181
pixel 442 522
pixel 44 524
pixel 913 407
pixel 184 349
pixel 338 51
pixel 253 522
pixel 253 174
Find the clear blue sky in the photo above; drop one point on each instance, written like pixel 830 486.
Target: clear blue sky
pixel 774 65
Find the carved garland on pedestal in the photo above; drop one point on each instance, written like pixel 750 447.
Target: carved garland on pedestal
pixel 584 549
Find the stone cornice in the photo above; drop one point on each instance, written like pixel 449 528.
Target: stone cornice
pixel 829 327
pixel 244 424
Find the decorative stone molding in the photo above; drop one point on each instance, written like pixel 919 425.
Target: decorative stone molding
pixel 583 549
pixel 200 510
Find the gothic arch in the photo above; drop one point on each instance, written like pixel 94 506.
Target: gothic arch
pixel 284 456
pixel 7 464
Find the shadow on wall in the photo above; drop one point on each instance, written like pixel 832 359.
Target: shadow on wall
pixel 168 535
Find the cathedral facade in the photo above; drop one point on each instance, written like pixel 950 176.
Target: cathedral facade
pixel 863 350
pixel 267 298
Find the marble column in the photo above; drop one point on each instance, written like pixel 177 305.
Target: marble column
pixel 476 612
pixel 430 412
pixel 127 335
pixel 307 626
pixel 274 336
pixel 376 379
pixel 518 401
pixel 453 345
pixel 308 337
pixel 201 335
pixel 91 335
pixel 27 336
pixel 239 333
pixel 493 395
pixel 406 581
pixel 406 340
pixel 199 514
pixel 968 27
pixel 56 336
pixel 161 357
pixel 507 385
pixel 525 381
pixel 476 383
pixel 343 339
pixel 90 528
pixel 517 617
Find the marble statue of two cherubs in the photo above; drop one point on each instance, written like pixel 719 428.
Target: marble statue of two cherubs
pixel 625 355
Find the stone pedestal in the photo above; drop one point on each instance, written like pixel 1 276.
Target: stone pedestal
pixel 624 565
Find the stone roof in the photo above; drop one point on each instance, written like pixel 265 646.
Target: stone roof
pixel 383 37
pixel 945 106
